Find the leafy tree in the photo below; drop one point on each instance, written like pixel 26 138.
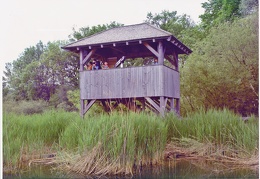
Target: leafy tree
pixel 40 70
pixel 170 22
pixel 17 75
pixel 59 68
pixel 6 79
pixel 223 69
pixel 218 11
pixel 163 19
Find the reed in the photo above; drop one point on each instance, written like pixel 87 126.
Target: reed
pixel 119 142
pixel 123 140
pixel 220 128
pixel 31 133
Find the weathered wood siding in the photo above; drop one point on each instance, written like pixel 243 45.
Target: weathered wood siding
pixel 171 83
pixel 131 82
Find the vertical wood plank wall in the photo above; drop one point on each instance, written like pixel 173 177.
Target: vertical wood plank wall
pixel 148 81
pixel 171 83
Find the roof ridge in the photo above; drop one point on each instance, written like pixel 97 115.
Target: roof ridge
pixel 89 36
pixel 153 26
pixel 105 31
pixel 125 26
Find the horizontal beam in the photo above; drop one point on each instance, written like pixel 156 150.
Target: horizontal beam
pixel 117 50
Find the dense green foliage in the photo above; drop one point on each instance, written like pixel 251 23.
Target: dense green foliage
pixel 124 137
pixel 219 11
pixel 40 72
pixel 221 72
pixel 223 69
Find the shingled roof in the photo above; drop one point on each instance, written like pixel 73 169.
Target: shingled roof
pixel 130 33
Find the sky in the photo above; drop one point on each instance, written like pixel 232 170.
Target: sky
pixel 25 22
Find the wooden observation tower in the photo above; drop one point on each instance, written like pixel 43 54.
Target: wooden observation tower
pixel 156 86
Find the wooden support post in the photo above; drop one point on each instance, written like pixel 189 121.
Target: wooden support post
pixel 161 53
pixel 172 104
pixel 174 107
pixel 165 103
pixel 85 107
pixel 105 106
pixel 82 106
pixel 81 57
pixel 162 107
pixel 143 104
pixel 177 107
pixel 175 58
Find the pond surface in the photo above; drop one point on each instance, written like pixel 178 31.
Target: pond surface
pixel 171 169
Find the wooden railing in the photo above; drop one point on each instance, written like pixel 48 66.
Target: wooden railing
pixel 145 81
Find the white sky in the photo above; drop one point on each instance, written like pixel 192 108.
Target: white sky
pixel 23 23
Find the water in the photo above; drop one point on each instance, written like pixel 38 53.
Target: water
pixel 171 169
pixel 196 169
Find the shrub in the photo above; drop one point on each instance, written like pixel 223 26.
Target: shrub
pixel 25 107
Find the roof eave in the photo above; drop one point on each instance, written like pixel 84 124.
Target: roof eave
pixel 169 38
pixel 68 47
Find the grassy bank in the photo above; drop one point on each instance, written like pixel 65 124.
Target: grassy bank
pixel 221 128
pixel 117 143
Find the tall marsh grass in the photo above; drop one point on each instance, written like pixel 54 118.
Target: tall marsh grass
pixel 30 134
pixel 117 143
pixel 120 139
pixel 221 128
pixel 127 139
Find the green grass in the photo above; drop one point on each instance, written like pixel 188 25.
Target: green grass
pixel 123 139
pixel 21 132
pixel 127 136
pixel 218 127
